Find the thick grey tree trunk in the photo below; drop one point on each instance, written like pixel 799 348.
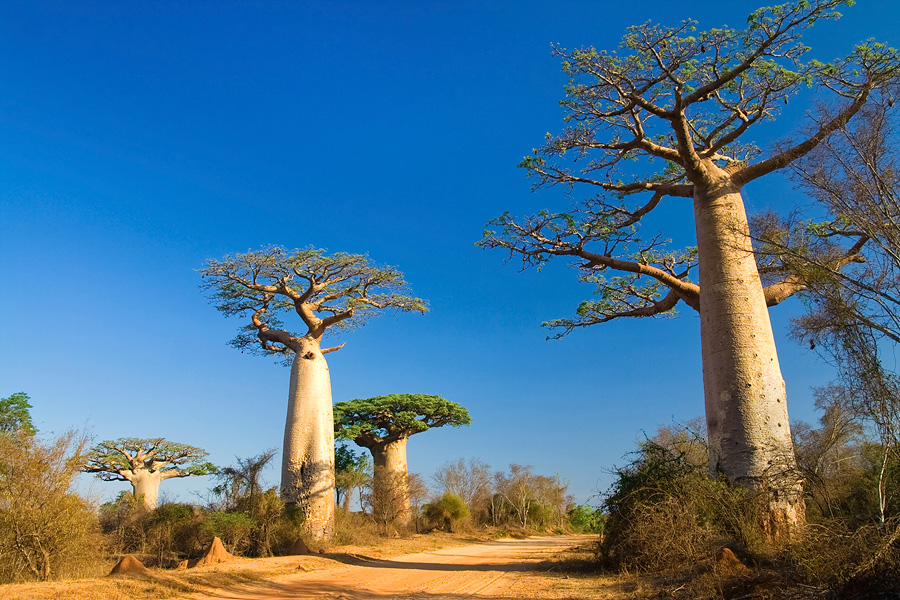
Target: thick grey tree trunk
pixel 746 409
pixel 307 467
pixel 145 485
pixel 391 483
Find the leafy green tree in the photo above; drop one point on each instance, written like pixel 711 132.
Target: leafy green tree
pixel 351 471
pixel 335 292
pixel 15 414
pixel 384 424
pixel 669 116
pixel 586 519
pixel 145 463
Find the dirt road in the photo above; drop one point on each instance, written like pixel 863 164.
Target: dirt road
pixel 498 569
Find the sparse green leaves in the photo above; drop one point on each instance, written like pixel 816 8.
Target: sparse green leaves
pixel 337 291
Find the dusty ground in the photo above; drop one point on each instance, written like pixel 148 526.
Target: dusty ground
pixel 444 567
pixel 499 569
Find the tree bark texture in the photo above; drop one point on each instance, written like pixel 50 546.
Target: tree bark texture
pixel 391 483
pixel 307 468
pixel 746 409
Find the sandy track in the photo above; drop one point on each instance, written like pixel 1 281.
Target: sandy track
pixel 498 569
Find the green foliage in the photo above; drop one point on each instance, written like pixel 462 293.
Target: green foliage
pixel 125 521
pixel 351 471
pixel 447 512
pixel 383 419
pixel 15 414
pixel 240 488
pixel 233 528
pixel 173 533
pixel 586 519
pixel 528 501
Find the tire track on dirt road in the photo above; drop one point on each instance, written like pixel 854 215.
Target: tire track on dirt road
pixel 495 570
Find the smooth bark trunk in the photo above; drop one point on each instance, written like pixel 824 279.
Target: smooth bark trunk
pixel 307 467
pixel 146 484
pixel 746 411
pixel 391 483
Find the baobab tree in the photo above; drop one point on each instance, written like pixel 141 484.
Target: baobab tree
pixel 325 293
pixel 687 100
pixel 145 463
pixel 384 424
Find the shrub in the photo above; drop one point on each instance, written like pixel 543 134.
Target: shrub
pixel 125 522
pixel 232 527
pixel 665 513
pixel 174 533
pixel 448 512
pixel 46 530
pixel 353 529
pixel 586 519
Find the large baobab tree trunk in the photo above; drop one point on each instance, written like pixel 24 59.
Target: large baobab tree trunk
pixel 307 468
pixel 746 410
pixel 391 483
pixel 146 486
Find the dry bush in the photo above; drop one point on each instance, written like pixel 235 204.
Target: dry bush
pixel 46 530
pixel 353 529
pixel 666 513
pixel 833 554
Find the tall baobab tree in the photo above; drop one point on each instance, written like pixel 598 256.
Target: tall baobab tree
pixel 384 425
pixel 145 463
pixel 688 100
pixel 324 292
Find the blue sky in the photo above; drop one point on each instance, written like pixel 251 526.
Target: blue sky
pixel 138 140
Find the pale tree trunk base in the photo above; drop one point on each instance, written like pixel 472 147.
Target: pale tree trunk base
pixel 746 406
pixel 307 468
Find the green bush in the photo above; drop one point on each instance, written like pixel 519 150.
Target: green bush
pixel 125 522
pixel 447 513
pixel 586 519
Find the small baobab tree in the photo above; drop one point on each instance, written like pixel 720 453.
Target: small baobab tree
pixel 145 463
pixel 670 116
pixel 384 424
pixel 325 293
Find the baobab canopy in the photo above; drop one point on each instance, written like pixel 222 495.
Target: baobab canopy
pixel 337 291
pixel 386 418
pixel 145 463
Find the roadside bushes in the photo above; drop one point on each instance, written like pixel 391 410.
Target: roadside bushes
pixel 665 512
pixel 447 513
pixel 47 531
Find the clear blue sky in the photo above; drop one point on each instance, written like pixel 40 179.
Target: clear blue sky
pixel 139 139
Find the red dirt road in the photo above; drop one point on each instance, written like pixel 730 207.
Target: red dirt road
pixel 491 570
